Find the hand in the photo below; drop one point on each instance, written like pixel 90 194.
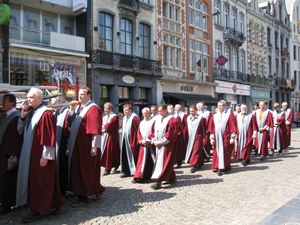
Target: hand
pixel 93 152
pixel 67 152
pixel 157 143
pixel 73 105
pixel 253 136
pixel 10 167
pixel 25 112
pixel 231 141
pixel 43 162
pixel 212 142
pixel 261 130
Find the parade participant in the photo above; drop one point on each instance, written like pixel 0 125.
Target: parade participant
pixel 171 109
pixel 237 109
pixel 121 117
pixel 154 111
pixel 222 131
pixel 203 112
pixel 289 118
pixel 10 148
pixel 182 136
pixel 264 120
pixel 247 131
pixel 110 139
pixel 278 139
pixel 196 127
pixel 62 136
pixel 163 136
pixel 129 148
pixel 146 158
pixel 38 180
pixel 85 119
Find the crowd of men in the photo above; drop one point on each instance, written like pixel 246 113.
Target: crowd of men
pixel 46 153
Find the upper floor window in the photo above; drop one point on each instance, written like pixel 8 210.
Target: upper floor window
pixel 126 37
pixel 105 32
pixel 217 17
pixel 269 36
pixel 226 16
pixel 144 41
pixel 198 15
pixel 147 1
pixel 276 39
pixel 218 50
pixel 171 11
pixel 234 20
pixel 242 23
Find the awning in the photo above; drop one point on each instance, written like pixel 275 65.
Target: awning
pixel 193 99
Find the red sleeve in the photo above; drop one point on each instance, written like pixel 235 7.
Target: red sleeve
pixel 94 120
pixel 47 129
pixel 171 130
pixel 112 124
pixel 254 122
pixel 281 119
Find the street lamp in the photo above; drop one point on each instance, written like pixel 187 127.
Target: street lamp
pixel 216 13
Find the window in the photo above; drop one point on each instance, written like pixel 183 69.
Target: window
pixel 172 52
pixel 142 94
pixel 235 61
pixel 295 52
pixel 146 1
pixel 276 39
pixel 218 49
pixel 269 36
pixel 226 11
pixel 144 41
pixel 198 57
pixel 242 23
pixel 123 92
pixel 256 33
pixel 276 66
pixel 234 20
pixel 226 66
pixel 198 15
pixel 242 62
pixel 217 9
pixel 105 32
pixel 270 65
pixel 165 50
pixel 103 95
pixel 126 37
pixel 171 11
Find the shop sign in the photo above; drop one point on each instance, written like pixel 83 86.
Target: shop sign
pixel 128 79
pixel 79 4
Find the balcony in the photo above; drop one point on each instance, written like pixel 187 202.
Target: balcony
pixel 233 36
pixel 129 5
pixel 122 62
pixel 24 36
pixel 279 81
pixel 259 80
pixel 230 75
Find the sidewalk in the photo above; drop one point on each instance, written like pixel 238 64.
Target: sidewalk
pixel 265 192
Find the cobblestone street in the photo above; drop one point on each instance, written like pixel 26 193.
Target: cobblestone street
pixel 245 195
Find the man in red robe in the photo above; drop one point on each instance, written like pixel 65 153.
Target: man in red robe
pixel 247 131
pixel 196 127
pixel 222 131
pixel 203 112
pixel 62 136
pixel 146 157
pixel 84 145
pixel 38 182
pixel 264 120
pixel 163 136
pixel 10 148
pixel 129 148
pixel 278 138
pixel 289 119
pixel 110 139
pixel 182 137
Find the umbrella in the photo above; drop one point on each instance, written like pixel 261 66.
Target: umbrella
pixel 136 103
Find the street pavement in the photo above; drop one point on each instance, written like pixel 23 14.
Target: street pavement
pixel 265 192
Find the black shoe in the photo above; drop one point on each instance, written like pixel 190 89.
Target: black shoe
pixel 262 158
pixel 194 169
pixel 99 196
pixel 156 185
pixel 106 172
pixel 179 163
pixel 220 172
pixel 215 170
pixel 137 181
pixel 116 168
pixel 125 175
pixel 256 153
pixel 244 163
pixel 5 210
pixel 31 217
pixel 271 152
pixel 280 152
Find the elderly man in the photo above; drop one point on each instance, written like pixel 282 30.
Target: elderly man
pixel 10 148
pixel 264 120
pixel 163 137
pixel 110 139
pixel 222 131
pixel 38 178
pixel 146 158
pixel 196 127
pixel 289 118
pixel 85 119
pixel 129 148
pixel 247 131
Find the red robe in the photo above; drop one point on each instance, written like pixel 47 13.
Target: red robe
pixel 278 138
pixel 182 138
pixel 222 150
pixel 165 155
pixel 111 153
pixel 247 129
pixel 289 119
pixel 43 181
pixel 194 154
pixel 262 139
pixel 10 145
pixel 84 168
